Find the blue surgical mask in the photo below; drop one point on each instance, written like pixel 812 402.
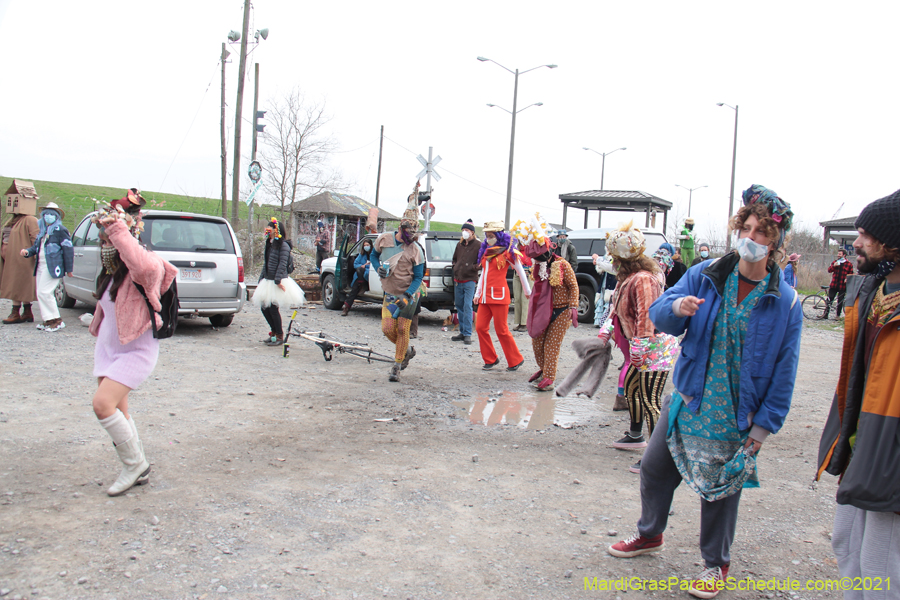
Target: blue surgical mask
pixel 751 251
pixel 367 248
pixel 704 254
pixel 49 219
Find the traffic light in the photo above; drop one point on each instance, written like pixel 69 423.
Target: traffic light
pixel 260 114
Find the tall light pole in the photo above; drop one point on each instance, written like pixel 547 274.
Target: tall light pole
pixel 690 194
pixel 512 136
pixel 603 164
pixel 733 162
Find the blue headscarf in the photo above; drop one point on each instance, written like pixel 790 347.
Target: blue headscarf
pixel 42 224
pixel 668 248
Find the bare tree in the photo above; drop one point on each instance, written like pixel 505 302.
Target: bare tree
pixel 296 148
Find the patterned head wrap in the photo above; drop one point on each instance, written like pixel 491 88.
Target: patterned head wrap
pixel 664 259
pixel 778 208
pixel 626 243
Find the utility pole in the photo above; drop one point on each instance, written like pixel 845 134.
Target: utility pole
pixel 378 181
pixel 253 158
pixel 236 186
pixel 222 128
pixel 512 147
pixel 733 163
pixel 428 191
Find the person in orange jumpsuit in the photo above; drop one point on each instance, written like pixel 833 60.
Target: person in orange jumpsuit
pixel 493 297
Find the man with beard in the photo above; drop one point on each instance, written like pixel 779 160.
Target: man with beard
pixel 861 439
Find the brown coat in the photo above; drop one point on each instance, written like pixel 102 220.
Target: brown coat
pixel 16 271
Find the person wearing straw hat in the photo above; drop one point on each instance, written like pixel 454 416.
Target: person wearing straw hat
pixel 733 385
pixel 686 242
pixel 790 270
pixel 492 296
pixel 55 258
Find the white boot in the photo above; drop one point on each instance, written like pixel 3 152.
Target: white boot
pixel 135 467
pixel 143 478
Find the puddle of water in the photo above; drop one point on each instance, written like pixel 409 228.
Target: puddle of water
pixel 528 411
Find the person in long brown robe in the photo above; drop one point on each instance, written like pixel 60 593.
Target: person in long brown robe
pixel 16 271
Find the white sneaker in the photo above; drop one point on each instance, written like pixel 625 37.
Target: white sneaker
pixel 39 326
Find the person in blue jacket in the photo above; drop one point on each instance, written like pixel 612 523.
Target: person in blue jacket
pixel 56 256
pixel 361 265
pixel 733 384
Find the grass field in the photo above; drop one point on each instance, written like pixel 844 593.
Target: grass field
pixel 77 200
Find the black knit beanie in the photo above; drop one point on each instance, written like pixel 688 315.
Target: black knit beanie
pixel 468 225
pixel 881 220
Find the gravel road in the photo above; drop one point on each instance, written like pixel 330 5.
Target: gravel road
pixel 299 478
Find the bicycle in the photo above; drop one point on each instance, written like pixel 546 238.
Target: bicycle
pixel 816 306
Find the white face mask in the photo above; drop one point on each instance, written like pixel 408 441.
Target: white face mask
pixel 491 240
pixel 751 251
pixel 466 235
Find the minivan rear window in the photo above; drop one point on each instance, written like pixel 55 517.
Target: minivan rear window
pixel 441 250
pixel 176 234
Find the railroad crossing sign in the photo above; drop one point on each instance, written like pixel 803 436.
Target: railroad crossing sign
pixel 429 167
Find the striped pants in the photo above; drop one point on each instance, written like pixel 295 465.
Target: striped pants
pixel 546 346
pixel 644 391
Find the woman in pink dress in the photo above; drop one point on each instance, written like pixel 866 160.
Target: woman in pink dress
pixel 126 351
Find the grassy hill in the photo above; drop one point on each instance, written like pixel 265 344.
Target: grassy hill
pixel 78 200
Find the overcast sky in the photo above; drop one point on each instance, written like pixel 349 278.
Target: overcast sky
pixel 127 94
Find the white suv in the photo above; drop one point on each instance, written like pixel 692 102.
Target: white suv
pixel 202 247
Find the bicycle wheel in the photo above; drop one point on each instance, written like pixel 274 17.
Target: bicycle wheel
pixel 814 307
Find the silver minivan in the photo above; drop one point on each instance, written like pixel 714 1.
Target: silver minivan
pixel 203 248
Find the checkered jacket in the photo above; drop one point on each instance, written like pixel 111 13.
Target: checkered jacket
pixel 839 275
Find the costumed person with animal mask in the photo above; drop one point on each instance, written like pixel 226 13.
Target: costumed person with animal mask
pixel 56 257
pixel 493 297
pixel 401 278
pixel 126 351
pixel 553 303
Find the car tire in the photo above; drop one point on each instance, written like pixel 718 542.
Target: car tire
pixel 221 320
pixel 585 304
pixel 63 300
pixel 329 293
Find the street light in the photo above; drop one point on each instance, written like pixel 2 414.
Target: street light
pixel 512 135
pixel 603 165
pixel 690 194
pixel 733 162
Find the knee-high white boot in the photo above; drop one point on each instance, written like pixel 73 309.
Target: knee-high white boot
pixel 143 478
pixel 135 468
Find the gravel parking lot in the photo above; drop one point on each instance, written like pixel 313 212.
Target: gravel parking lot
pixel 299 478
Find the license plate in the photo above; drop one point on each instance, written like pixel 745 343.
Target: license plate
pixel 192 274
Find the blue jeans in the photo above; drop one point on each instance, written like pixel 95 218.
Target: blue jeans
pixel 464 293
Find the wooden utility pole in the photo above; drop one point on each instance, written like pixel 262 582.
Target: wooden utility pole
pixel 252 158
pixel 222 127
pixel 236 186
pixel 378 181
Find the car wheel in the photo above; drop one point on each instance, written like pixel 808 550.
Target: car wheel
pixel 585 304
pixel 221 320
pixel 329 293
pixel 63 300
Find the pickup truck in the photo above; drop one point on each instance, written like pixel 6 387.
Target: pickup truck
pixel 337 271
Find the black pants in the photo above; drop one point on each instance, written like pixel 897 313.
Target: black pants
pixel 273 317
pixel 321 254
pixel 358 286
pixel 832 292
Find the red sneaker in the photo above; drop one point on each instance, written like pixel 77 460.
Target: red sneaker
pixel 636 545
pixel 535 377
pixel 709 583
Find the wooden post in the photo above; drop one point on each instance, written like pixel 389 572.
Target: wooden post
pixel 378 181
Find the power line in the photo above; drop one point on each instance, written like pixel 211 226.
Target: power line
pixel 446 170
pixel 202 98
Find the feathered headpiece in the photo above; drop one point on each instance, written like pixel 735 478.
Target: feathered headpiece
pixel 132 220
pixel 533 235
pixel 273 225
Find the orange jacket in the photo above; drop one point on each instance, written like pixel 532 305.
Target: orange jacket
pixel 860 439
